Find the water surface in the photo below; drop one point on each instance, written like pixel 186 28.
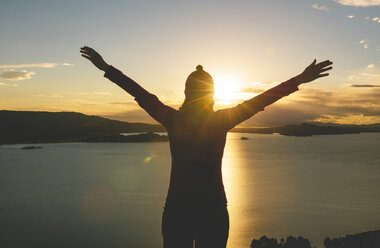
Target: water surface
pixel 112 194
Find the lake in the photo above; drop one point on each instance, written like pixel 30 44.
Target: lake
pixel 112 194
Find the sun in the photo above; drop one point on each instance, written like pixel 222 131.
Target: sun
pixel 226 89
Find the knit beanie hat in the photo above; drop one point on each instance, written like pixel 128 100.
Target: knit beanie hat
pixel 199 82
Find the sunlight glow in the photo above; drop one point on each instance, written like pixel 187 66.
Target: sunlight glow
pixel 227 89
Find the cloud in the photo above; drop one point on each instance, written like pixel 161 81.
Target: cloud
pixel 320 7
pixel 251 90
pixel 67 64
pixel 101 93
pixel 371 66
pixel 359 3
pixel 321 105
pixel 265 83
pixel 41 65
pixel 364 85
pixel 37 65
pixel 364 43
pixel 375 19
pixel 104 93
pixel 134 104
pixel 83 102
pixel 8 85
pixel 48 95
pixel 366 76
pixel 307 105
pixel 314 105
pixel 16 75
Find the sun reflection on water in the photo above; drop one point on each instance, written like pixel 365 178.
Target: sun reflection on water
pixel 234 181
pixel 260 194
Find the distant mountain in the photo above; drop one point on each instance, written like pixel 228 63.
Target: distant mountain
pixel 309 129
pixel 46 127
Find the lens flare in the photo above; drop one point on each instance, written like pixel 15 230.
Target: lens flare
pixel 148 159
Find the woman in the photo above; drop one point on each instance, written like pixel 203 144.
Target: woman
pixel 196 205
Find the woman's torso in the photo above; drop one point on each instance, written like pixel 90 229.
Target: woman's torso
pixel 196 146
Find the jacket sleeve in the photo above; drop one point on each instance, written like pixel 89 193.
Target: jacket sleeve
pixel 230 117
pixel 149 102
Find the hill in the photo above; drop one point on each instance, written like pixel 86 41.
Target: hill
pixel 309 129
pixel 46 127
pixel 49 127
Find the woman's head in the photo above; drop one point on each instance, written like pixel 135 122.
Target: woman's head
pixel 199 91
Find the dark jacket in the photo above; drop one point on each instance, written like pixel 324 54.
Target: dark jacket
pixel 197 146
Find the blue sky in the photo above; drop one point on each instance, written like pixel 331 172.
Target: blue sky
pixel 254 44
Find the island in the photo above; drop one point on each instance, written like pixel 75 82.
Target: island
pixel 142 137
pixel 310 129
pixel 31 147
pixel 370 239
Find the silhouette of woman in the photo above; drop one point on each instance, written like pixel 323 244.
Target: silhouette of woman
pixel 196 205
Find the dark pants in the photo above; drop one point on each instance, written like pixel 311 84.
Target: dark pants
pixel 182 226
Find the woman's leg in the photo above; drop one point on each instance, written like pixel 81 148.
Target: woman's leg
pixel 176 228
pixel 212 228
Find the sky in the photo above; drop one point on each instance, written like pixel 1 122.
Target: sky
pixel 247 46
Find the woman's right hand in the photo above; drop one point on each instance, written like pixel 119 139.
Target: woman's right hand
pixel 94 57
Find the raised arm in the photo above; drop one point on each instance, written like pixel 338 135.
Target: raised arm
pixel 231 117
pixel 149 102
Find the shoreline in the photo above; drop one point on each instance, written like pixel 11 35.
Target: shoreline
pixel 148 137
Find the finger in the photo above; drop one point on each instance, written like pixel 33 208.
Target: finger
pixel 313 63
pixel 91 50
pixel 88 48
pixel 86 56
pixel 85 48
pixel 325 69
pixel 86 52
pixel 323 75
pixel 324 64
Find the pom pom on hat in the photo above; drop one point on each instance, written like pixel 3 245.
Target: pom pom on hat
pixel 199 68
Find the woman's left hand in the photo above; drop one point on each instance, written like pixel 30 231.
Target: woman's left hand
pixel 314 71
